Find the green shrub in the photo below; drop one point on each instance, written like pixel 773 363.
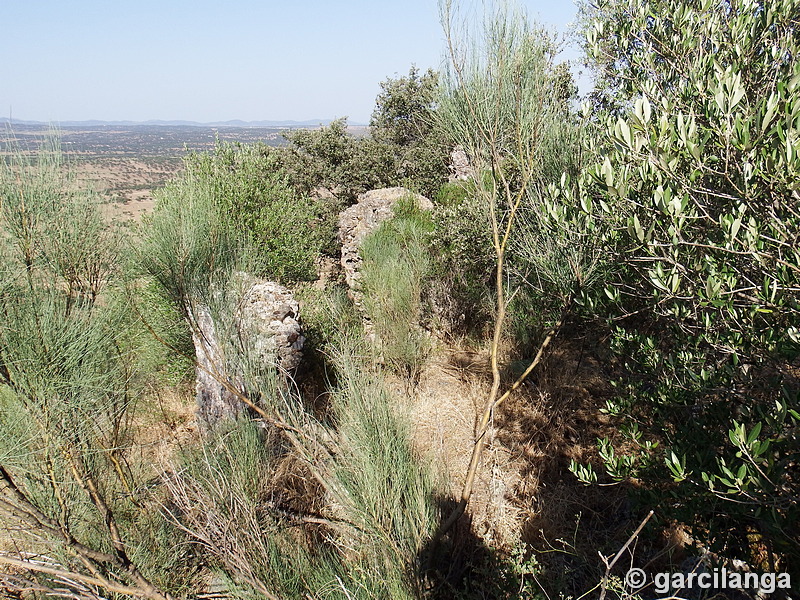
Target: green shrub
pixel 452 194
pixel 698 188
pixel 68 388
pixel 253 194
pixel 188 256
pixel 331 158
pixel 402 148
pixel 383 486
pixel 463 259
pixel 53 226
pixel 546 252
pixel 395 266
pixel 403 122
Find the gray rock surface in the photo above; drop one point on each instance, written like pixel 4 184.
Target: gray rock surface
pixel 268 323
pixel 216 390
pixel 264 324
pixel 460 167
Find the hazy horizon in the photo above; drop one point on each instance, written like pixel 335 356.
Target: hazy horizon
pixel 210 62
pixel 177 122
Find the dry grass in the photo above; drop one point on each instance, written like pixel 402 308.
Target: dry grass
pixel 445 409
pixel 167 426
pixel 524 492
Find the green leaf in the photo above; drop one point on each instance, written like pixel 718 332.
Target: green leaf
pixel 772 105
pixel 676 466
pixel 608 172
pixel 762 448
pixel 624 131
pixel 642 109
pixel 635 228
pixel 719 98
pixel 737 223
pixel 733 435
pixel 740 475
pixel 738 92
pixel 646 109
pixel 754 433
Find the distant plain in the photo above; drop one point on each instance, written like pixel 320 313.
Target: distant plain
pixel 125 163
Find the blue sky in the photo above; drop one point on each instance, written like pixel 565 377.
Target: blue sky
pixel 211 60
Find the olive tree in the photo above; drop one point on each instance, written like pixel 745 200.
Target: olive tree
pixel 403 122
pixel 698 183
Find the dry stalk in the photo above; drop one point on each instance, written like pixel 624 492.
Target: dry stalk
pixel 610 565
pixel 64 574
pixel 480 441
pixel 22 509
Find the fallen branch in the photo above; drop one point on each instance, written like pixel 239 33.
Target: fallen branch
pixel 66 575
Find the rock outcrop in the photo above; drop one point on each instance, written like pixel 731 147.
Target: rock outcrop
pixel 268 322
pixel 460 167
pixel 359 220
pixel 216 390
pixel 265 325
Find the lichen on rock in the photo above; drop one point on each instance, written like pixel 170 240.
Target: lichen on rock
pixel 268 319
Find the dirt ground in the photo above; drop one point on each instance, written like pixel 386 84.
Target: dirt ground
pixel 524 494
pixel 126 184
pixel 553 418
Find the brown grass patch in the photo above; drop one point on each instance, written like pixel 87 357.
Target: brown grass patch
pixel 524 492
pixel 126 184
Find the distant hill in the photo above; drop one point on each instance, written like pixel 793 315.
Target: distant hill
pixel 232 123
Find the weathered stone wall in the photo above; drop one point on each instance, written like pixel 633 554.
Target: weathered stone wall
pixel 266 321
pixel 359 220
pixel 460 167
pixel 215 388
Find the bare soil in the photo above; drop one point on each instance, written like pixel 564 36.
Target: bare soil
pixel 524 492
pixel 126 184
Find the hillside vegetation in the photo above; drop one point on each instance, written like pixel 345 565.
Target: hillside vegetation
pixel 588 345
